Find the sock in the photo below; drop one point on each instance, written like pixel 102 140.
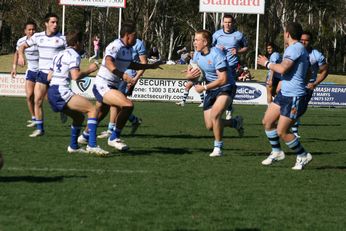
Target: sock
pixel 133 118
pixel 39 125
pixel 75 130
pixel 186 94
pixel 92 126
pixel 86 135
pixel 296 146
pixel 111 126
pixel 274 140
pixel 218 144
pixel 115 134
pixel 202 97
pixel 295 127
pixel 33 118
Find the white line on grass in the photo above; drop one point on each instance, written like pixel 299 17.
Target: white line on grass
pixel 99 171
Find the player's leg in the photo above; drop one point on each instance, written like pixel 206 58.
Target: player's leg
pixel 29 92
pixel 40 91
pixel 111 124
pixel 82 105
pixel 125 106
pixel 187 88
pixel 215 114
pixel 272 115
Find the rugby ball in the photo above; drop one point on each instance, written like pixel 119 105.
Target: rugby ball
pixel 201 77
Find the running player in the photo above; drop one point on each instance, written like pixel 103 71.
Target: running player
pixel 139 55
pixel 319 67
pixel 49 43
pixel 232 42
pixel 220 87
pixel 273 78
pixel 31 55
pixel 66 66
pixel 291 101
pixel 117 59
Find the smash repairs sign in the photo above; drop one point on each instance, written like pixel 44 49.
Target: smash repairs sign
pixel 329 95
pixel 232 6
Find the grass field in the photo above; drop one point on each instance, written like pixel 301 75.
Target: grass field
pixel 167 181
pixel 167 71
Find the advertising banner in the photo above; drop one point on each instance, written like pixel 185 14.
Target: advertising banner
pixel 172 90
pixel 232 6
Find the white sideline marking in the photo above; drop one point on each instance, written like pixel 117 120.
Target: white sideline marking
pixel 99 171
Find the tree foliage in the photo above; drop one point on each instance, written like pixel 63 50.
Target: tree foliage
pixel 170 24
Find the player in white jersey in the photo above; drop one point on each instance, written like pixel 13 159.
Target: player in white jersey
pixel 291 101
pixel 49 43
pixel 66 66
pixel 31 55
pixel 117 59
pixel 139 55
pixel 319 68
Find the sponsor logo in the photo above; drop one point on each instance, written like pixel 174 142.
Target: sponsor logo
pixel 83 84
pixel 247 93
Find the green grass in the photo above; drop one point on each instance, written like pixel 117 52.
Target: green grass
pixel 167 181
pixel 167 71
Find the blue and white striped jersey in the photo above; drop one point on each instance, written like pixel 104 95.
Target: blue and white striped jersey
pixel 234 39
pixel 31 54
pixel 62 63
pixel 121 56
pixel 293 81
pixel 48 47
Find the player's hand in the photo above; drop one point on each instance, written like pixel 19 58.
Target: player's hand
pixel 234 51
pixel 21 61
pixel 311 86
pixel 193 73
pixel 261 60
pixel 13 73
pixel 93 67
pixel 199 88
pixel 128 79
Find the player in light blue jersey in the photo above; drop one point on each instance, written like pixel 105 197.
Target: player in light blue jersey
pixel 66 66
pixel 139 55
pixel 220 87
pixel 319 70
pixel 31 55
pixel 291 101
pixel 117 59
pixel 232 42
pixel 273 78
pixel 49 43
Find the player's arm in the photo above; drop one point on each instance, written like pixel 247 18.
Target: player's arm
pixel 140 66
pixel 76 73
pixel 221 80
pixel 323 73
pixel 143 60
pixel 110 65
pixel 21 60
pixel 243 50
pixel 14 65
pixel 280 68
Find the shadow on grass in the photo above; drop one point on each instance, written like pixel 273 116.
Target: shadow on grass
pixel 343 168
pixel 160 150
pixel 321 139
pixel 185 136
pixel 36 179
pixel 286 153
pixel 236 229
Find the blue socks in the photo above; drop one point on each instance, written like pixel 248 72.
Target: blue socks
pixel 92 126
pixel 75 130
pixel 274 140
